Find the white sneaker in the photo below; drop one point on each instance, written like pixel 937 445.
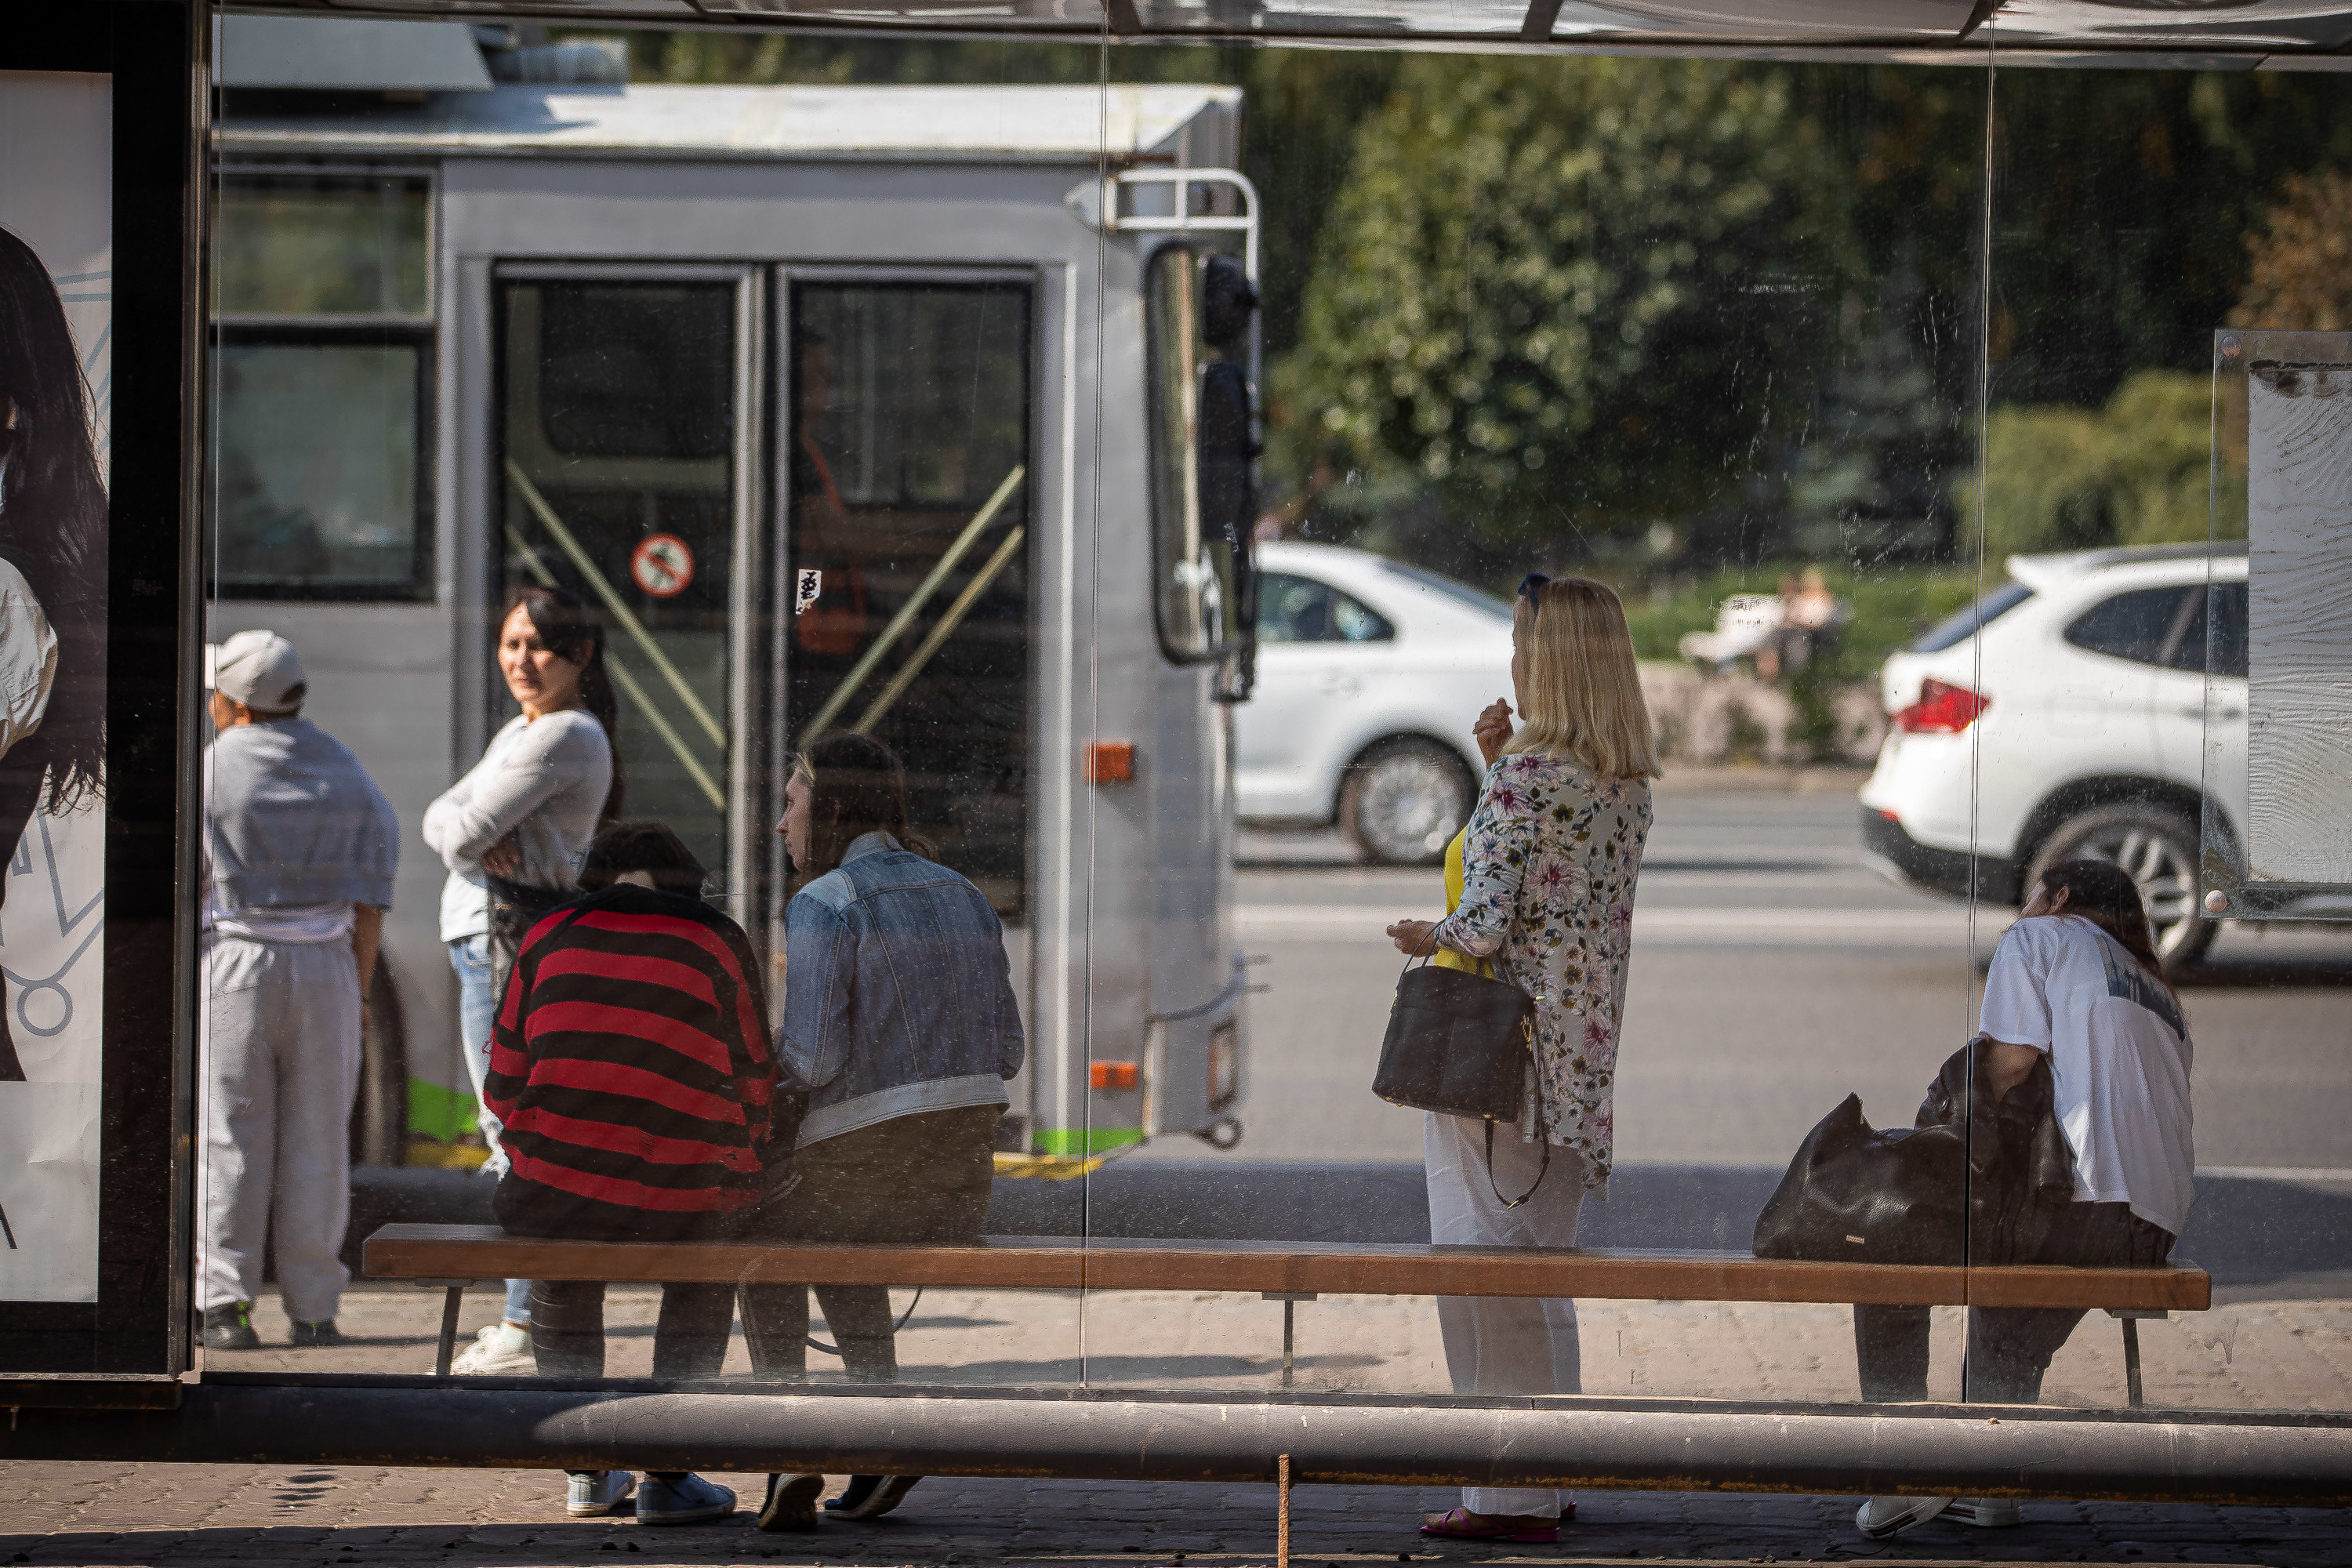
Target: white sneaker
pixel 595 1493
pixel 492 1354
pixel 1883 1516
pixel 1985 1514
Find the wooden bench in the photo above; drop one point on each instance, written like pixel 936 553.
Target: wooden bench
pixel 452 1256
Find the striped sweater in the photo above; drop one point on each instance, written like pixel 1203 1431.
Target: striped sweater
pixel 630 1069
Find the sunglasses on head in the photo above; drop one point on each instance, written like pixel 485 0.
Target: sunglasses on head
pixel 1531 589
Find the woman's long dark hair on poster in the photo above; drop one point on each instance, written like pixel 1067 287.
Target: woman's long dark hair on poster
pixel 53 524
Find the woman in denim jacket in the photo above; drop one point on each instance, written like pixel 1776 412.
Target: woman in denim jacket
pixel 899 1027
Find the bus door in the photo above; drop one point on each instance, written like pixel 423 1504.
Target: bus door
pixel 905 474
pixel 624 414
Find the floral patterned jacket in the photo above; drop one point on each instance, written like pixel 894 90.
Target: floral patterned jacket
pixel 1547 893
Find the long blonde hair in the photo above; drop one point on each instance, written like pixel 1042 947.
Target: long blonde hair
pixel 1581 692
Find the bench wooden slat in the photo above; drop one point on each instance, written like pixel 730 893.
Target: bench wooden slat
pixel 1068 1263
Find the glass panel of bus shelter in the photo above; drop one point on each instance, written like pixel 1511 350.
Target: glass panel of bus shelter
pixel 2141 216
pixel 1703 332
pixel 672 413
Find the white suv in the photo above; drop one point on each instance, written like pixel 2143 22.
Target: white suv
pixel 1369 675
pixel 2073 726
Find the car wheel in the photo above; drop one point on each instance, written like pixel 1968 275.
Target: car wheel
pixel 1404 802
pixel 2158 847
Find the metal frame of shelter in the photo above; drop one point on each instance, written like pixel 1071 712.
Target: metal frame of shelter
pixel 108 1380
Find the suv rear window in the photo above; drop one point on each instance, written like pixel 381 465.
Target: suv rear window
pixel 2228 651
pixel 1956 627
pixel 2138 626
pixel 1299 609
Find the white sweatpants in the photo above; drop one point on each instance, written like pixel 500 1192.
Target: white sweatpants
pixel 1503 1344
pixel 279 1033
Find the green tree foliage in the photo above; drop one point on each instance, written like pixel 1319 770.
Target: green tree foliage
pixel 1568 294
pixel 2135 472
pixel 2299 263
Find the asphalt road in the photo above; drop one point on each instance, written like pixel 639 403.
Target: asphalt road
pixel 1772 974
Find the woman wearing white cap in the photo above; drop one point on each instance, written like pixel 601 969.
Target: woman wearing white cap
pixel 513 832
pixel 52 568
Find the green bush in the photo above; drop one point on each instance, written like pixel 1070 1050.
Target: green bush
pixel 2135 472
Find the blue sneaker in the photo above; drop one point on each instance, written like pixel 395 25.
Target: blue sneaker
pixel 592 1494
pixel 689 1500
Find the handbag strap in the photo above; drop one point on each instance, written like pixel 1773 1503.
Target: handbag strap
pixel 1542 1170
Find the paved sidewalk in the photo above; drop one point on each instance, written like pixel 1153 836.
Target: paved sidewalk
pixel 98 1517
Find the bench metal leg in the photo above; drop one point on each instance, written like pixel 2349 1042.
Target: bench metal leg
pixel 2131 1317
pixel 1289 1300
pixel 1281 1486
pixel 453 1297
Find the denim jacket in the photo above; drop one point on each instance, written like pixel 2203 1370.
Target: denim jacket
pixel 898 994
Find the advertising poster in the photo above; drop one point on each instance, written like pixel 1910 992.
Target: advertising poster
pixel 55 324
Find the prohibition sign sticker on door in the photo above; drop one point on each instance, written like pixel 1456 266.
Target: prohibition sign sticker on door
pixel 662 564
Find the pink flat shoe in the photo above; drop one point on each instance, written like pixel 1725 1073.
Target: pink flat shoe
pixel 1461 1524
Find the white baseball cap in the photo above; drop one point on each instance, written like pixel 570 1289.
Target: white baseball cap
pixel 260 669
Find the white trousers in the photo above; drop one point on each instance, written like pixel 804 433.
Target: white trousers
pixel 1503 1344
pixel 279 1033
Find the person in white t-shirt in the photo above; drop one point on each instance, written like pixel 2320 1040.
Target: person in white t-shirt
pixel 2076 982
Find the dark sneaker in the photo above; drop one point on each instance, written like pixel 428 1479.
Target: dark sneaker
pixel 689 1500
pixel 792 1503
pixel 871 1497
pixel 230 1328
pixel 302 1334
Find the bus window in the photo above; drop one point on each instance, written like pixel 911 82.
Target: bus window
pixel 320 467
pixel 621 485
pixel 326 245
pixel 323 361
pixel 907 462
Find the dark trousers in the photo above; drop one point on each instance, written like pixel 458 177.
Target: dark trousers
pixel 923 1178
pixel 567 1329
pixel 2009 1348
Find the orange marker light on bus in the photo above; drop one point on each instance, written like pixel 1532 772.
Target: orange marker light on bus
pixel 1111 762
pixel 1114 1075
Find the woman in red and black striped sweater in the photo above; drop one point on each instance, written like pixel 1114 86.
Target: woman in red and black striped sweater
pixel 631 1071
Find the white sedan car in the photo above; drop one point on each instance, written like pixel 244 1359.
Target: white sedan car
pixel 2072 727
pixel 1370 674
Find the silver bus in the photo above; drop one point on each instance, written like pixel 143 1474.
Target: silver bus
pixel 872 409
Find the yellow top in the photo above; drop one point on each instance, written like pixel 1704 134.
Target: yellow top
pixel 1446 957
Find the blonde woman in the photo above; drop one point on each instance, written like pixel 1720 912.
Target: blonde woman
pixel 1548 863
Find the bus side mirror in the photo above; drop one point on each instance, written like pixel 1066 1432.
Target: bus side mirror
pixel 1225 450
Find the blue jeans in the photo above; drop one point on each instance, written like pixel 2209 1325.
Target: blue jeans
pixel 477 1008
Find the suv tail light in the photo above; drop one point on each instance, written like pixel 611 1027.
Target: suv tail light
pixel 1942 710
